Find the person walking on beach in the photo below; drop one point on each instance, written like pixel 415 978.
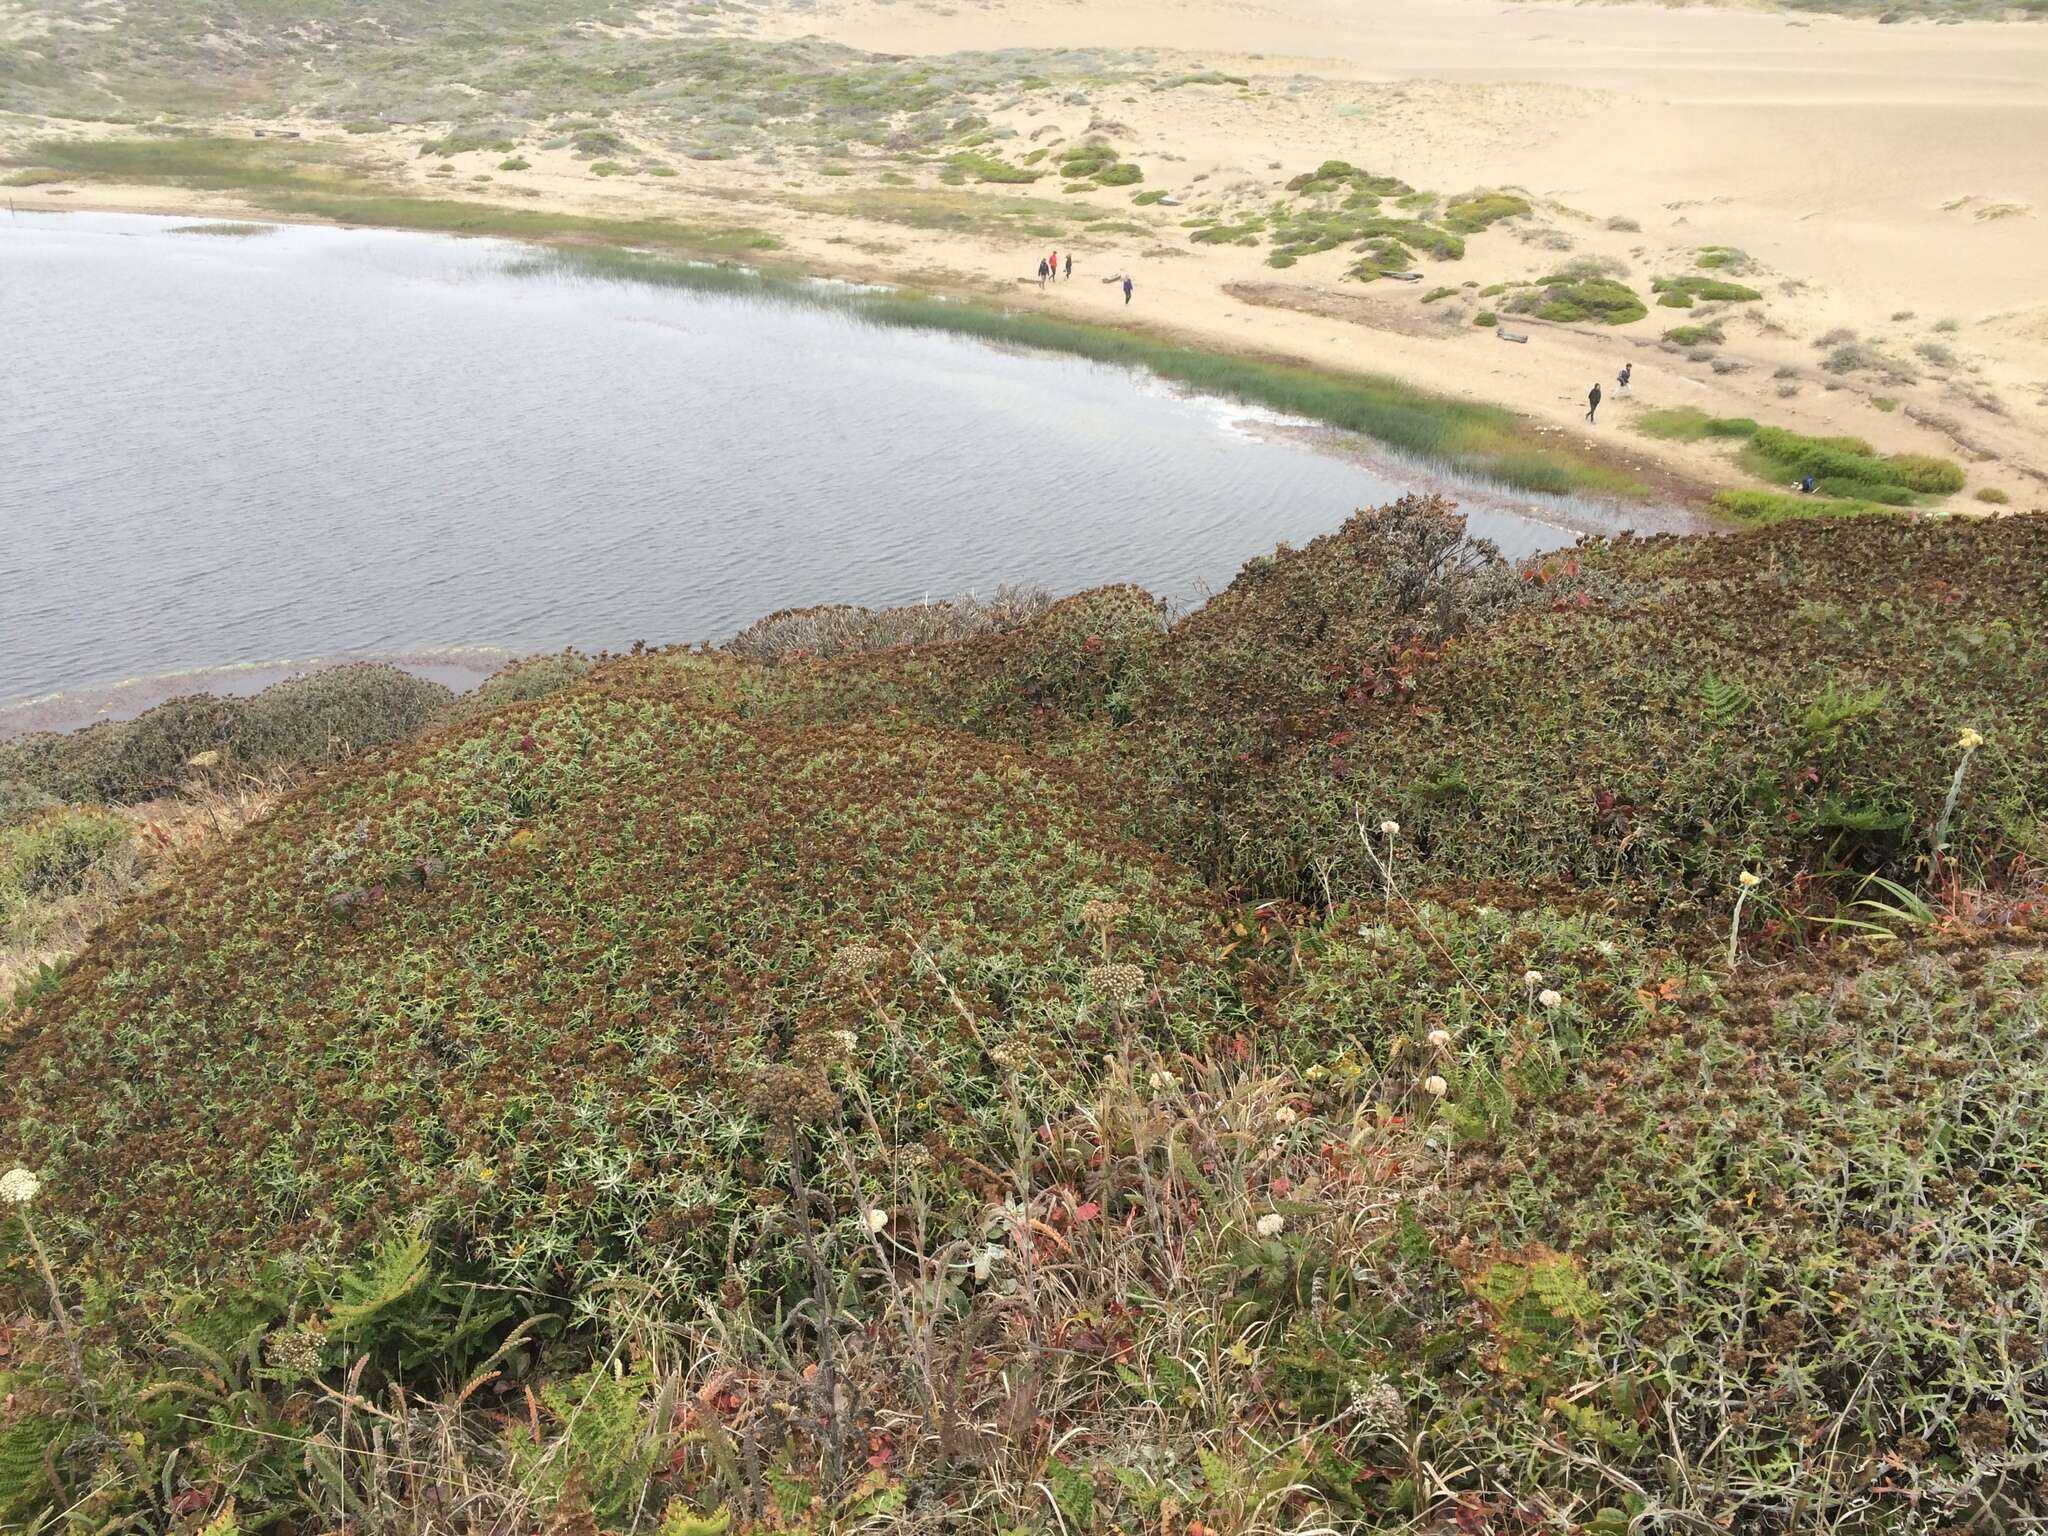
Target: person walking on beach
pixel 1593 402
pixel 1622 377
pixel 1053 264
pixel 1041 274
pixel 1070 263
pixel 1127 288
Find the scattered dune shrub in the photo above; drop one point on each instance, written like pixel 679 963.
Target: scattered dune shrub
pixel 1566 298
pixel 1709 289
pixel 1713 257
pixel 1993 495
pixel 1085 160
pixel 986 167
pixel 1341 176
pixel 1474 211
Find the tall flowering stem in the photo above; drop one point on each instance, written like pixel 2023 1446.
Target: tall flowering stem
pixel 18 1188
pixel 1969 742
pixel 1748 882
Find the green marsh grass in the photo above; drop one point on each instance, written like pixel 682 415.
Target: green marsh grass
pixel 1684 424
pixel 226 230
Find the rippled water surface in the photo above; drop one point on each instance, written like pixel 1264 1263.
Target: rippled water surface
pixel 321 442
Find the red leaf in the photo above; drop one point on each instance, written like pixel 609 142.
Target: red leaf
pixel 1087 1210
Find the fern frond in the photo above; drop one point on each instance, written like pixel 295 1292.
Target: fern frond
pixel 400 1267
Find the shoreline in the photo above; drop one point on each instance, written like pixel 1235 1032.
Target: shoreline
pixel 1147 368
pixel 1511 441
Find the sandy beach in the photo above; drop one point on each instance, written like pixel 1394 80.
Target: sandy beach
pixel 1882 186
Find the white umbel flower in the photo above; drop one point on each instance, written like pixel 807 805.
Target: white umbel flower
pixel 1390 828
pixel 1548 998
pixel 1435 1086
pixel 876 1219
pixel 1532 978
pixel 1440 1038
pixel 18 1186
pixel 1272 1225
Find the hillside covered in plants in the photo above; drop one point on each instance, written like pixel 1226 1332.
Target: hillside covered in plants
pixel 1422 1042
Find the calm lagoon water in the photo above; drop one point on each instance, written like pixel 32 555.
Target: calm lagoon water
pixel 329 443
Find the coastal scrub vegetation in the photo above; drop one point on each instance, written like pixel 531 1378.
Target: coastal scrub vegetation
pixel 1338 204
pixel 1424 1041
pixel 1584 290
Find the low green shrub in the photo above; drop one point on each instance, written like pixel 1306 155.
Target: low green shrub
pixel 986 167
pixel 1711 289
pixel 1567 299
pixel 1926 474
pixel 50 856
pixel 1086 160
pixel 1695 335
pixel 1474 211
pixel 1992 495
pixel 1342 176
pixel 1122 174
pixel 1865 490
pixel 1776 451
pixel 466 141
